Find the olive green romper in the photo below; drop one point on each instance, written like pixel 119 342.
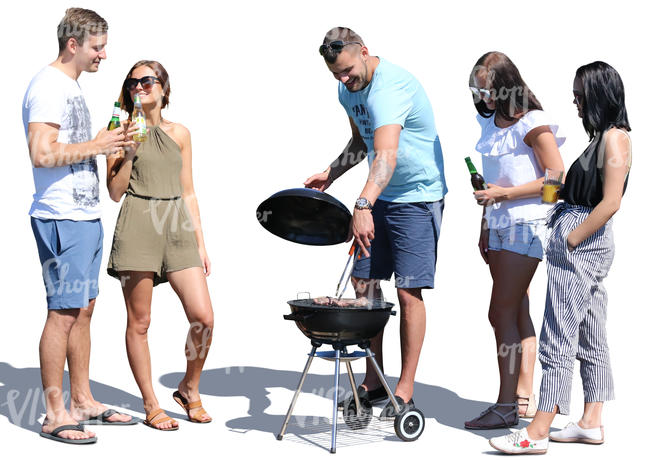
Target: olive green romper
pixel 154 230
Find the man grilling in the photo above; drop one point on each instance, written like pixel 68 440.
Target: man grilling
pixel 396 220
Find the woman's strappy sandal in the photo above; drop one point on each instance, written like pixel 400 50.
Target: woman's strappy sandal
pixel 531 405
pixel 197 406
pixel 149 420
pixel 507 420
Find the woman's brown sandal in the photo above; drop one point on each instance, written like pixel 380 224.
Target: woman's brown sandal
pixel 149 420
pixel 197 406
pixel 530 404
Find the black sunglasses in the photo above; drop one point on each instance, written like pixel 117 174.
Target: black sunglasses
pixel 336 46
pixel 146 82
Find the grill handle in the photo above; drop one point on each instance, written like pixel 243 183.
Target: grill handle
pixel 297 316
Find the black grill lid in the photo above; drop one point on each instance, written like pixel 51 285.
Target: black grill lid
pixel 305 216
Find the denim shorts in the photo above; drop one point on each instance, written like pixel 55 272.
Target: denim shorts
pixel 405 244
pixel 71 254
pixel 525 238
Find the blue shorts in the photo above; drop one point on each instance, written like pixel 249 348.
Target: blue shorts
pixel 525 238
pixel 406 244
pixel 71 254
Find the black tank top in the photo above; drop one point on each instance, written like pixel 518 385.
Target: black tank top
pixel 584 181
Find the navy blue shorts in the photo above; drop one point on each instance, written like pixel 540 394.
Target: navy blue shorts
pixel 405 244
pixel 71 254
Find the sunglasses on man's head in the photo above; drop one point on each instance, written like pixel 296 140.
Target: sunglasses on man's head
pixel 146 82
pixel 336 46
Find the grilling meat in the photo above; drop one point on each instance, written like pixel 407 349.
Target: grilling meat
pixel 333 302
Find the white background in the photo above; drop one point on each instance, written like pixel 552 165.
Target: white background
pixel 248 82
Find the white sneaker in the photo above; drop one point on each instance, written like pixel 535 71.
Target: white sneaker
pixel 575 433
pixel 518 442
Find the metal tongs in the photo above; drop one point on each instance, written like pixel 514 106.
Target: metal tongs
pixel 355 253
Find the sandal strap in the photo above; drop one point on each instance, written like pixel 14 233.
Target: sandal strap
pixel 194 405
pixel 153 414
pixel 164 419
pixel 515 410
pixel 108 414
pixel 156 413
pixel 199 412
pixel 527 399
pixel 61 428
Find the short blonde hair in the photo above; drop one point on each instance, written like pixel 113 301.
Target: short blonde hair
pixel 78 23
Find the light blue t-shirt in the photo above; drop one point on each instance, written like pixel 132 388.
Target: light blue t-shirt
pixel 394 96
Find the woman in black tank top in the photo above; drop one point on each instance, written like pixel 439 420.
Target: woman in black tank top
pixel 579 253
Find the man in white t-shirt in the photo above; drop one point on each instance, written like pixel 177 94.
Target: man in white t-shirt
pixel 65 218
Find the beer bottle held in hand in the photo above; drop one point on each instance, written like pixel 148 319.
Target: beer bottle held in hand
pixel 115 119
pixel 478 183
pixel 139 120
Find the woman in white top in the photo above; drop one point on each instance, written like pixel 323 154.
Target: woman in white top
pixel 517 144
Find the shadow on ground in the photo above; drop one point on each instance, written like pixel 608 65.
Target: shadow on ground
pixel 441 404
pixel 22 402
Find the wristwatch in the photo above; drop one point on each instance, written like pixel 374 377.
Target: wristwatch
pixel 363 203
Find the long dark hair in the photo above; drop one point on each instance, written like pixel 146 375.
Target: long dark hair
pixel 509 91
pixel 603 100
pixel 158 69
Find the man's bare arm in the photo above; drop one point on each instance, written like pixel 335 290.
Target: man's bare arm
pixel 46 152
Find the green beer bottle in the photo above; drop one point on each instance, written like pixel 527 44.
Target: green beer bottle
pixel 478 183
pixel 139 120
pixel 115 119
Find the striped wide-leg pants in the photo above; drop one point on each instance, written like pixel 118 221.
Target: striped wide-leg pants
pixel 575 313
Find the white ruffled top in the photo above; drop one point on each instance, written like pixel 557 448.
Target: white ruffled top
pixel 508 162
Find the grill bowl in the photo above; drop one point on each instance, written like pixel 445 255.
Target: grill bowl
pixel 339 325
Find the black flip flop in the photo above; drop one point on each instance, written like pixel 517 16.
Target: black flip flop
pixel 54 435
pixel 102 419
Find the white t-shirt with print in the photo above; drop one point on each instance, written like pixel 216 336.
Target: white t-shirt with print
pixel 68 191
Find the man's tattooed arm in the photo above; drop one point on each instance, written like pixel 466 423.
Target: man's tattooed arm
pixel 380 172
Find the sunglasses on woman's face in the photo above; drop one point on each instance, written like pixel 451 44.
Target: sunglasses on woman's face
pixel 481 93
pixel 146 82
pixel 577 98
pixel 336 46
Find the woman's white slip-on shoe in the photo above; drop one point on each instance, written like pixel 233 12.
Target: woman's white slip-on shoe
pixel 574 433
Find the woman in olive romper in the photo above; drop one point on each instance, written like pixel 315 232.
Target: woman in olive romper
pixel 158 238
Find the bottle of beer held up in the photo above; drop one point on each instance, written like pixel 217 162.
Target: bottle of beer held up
pixel 139 120
pixel 115 119
pixel 478 183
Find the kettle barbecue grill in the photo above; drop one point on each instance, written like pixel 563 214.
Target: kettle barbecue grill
pixel 311 217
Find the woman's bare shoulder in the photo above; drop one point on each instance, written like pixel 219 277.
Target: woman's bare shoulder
pixel 177 131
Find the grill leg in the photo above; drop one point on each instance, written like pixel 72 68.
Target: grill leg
pixel 337 366
pixel 353 384
pixel 380 374
pixel 295 396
